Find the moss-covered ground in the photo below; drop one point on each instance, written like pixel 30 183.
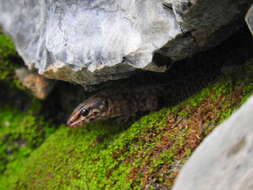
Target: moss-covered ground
pixel 20 134
pixel 148 154
pixel 9 61
pixel 22 129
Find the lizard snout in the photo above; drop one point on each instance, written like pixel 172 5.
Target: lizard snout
pixel 75 120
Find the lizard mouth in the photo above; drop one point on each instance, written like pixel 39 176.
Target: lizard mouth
pixel 75 119
pixel 73 122
pixel 76 124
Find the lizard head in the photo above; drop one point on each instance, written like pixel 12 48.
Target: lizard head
pixel 91 110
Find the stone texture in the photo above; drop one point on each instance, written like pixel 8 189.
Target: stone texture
pixel 88 42
pixel 204 24
pixel 249 18
pixel 224 160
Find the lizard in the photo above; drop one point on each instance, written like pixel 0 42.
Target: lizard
pixel 127 102
pixel 118 103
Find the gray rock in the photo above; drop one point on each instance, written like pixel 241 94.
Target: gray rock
pixel 204 24
pixel 88 42
pixel 249 19
pixel 224 160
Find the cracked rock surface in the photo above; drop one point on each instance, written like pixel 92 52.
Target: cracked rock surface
pixel 88 42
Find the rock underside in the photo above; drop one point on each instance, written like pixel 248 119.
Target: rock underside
pixel 88 42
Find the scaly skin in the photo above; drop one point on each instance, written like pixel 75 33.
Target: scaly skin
pixel 121 102
pixel 127 102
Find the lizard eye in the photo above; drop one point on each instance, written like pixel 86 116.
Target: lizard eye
pixel 84 112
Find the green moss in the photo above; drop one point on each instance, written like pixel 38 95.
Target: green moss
pixel 21 130
pixel 7 47
pixel 20 134
pixel 106 156
pixel 9 61
pixel 198 97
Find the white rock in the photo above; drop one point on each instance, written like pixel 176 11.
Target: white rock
pixel 249 18
pixel 224 160
pixel 88 42
pixel 87 36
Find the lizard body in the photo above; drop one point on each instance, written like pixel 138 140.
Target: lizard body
pixel 121 102
pixel 127 102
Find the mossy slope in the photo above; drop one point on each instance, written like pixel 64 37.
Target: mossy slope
pixel 7 55
pixel 22 129
pixel 20 134
pixel 146 155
